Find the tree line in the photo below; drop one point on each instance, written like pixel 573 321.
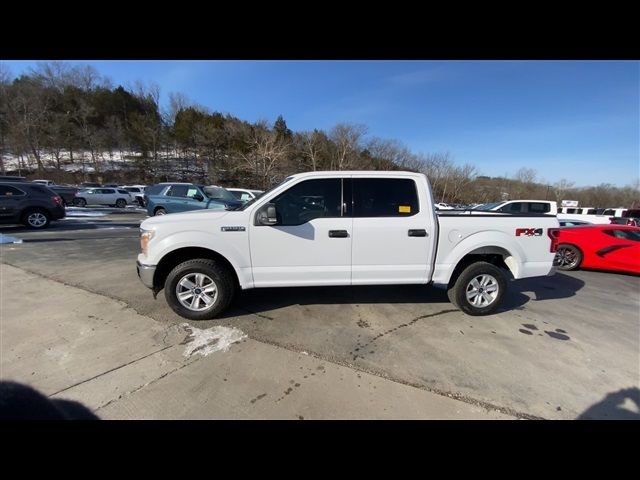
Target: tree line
pixel 58 116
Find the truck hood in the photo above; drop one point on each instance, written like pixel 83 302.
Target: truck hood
pixel 176 218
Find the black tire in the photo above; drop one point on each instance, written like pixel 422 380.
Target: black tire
pixel 219 274
pixel 476 271
pixel 568 257
pixel 160 211
pixel 121 203
pixel 79 202
pixel 36 218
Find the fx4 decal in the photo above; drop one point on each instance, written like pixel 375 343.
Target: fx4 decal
pixel 529 232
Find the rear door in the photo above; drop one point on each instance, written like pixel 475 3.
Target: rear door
pixel 393 231
pixel 105 196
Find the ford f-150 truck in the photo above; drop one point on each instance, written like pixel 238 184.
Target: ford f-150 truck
pixel 342 228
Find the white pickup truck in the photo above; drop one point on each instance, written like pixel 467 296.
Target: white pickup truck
pixel 342 228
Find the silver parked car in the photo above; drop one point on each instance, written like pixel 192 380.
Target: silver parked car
pixel 113 197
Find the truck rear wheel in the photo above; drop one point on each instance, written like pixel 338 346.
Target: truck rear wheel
pixel 199 289
pixel 479 289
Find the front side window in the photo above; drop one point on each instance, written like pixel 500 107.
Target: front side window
pixel 308 200
pixel 384 197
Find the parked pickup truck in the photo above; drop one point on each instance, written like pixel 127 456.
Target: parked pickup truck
pixel 342 228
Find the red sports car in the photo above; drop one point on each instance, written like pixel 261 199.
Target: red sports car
pixel 602 247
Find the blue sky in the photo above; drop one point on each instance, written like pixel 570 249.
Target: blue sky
pixel 578 120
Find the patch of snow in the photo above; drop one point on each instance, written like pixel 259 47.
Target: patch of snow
pixel 4 239
pixel 214 339
pixel 73 212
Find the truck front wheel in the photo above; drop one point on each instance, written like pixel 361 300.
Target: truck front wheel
pixel 479 289
pixel 199 289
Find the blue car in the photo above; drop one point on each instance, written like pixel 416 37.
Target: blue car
pixel 165 198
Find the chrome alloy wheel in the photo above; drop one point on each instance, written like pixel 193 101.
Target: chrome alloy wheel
pixel 196 291
pixel 482 290
pixel 37 219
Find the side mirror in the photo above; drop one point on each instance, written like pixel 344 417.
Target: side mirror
pixel 267 215
pixel 198 197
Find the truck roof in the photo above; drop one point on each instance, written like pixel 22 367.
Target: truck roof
pixel 372 173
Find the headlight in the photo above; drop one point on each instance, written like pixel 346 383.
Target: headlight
pixel 145 238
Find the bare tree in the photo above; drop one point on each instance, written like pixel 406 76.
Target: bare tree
pixel 437 167
pixel 461 179
pixel 393 153
pixel 347 138
pixel 560 188
pixel 264 155
pixel 314 148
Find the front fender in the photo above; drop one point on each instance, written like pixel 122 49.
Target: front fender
pixel 234 246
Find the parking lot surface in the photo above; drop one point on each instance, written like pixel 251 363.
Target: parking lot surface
pixel 563 347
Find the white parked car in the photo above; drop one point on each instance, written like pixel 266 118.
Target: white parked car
pixel 245 195
pixel 137 192
pixel 47 183
pixel 342 228
pixel 113 197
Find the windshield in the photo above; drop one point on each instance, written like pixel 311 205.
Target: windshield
pixel 488 206
pixel 218 193
pixel 253 200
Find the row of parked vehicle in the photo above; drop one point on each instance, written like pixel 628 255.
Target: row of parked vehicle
pixel 36 203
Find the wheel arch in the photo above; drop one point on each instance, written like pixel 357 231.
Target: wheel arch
pixel 495 255
pixel 179 255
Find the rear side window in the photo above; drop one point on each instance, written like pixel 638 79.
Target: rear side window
pixel 572 210
pixel 178 191
pixel 133 190
pixel 124 192
pixel 41 189
pixel 539 207
pixel 591 211
pixel 154 190
pixel 609 212
pixel 9 191
pixel 107 190
pixel 512 208
pixel 384 197
pixel 633 235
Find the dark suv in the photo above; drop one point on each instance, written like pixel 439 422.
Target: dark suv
pixel 31 204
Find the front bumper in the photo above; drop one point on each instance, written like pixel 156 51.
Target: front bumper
pixel 146 273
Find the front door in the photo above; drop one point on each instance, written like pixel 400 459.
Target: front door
pixel 10 199
pixel 310 244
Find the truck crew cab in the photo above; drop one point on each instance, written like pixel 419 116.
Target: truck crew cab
pixel 342 228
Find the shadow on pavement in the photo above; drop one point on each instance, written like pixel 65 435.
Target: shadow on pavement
pixel 611 407
pixel 265 299
pixel 543 288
